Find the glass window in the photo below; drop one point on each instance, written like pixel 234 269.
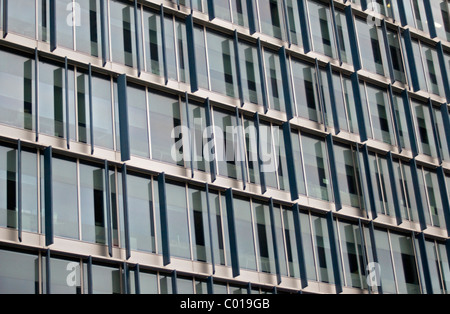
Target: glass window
pixel 92 204
pixel 171 59
pixel 148 283
pixel 321 22
pixel 198 211
pixel 17 90
pixel 201 287
pixel 432 70
pixel 102 112
pixel 83 110
pixel 402 124
pixel 434 198
pixel 347 175
pixel 433 264
pixel 264 240
pixel 418 64
pixel 52 100
pixel 153 43
pixel 269 162
pixel 441 17
pixel 105 280
pixel 122 28
pixel 385 261
pixel 22 18
pixel 291 243
pixel 252 151
pixel 351 105
pixel 165 118
pixel 219 226
pixel 65 198
pixel 380 114
pixel 306 97
pixel 239 10
pixel 293 18
pixel 371 47
pixel 222 9
pixel 352 253
pixel 274 81
pixel 244 234
pixel 141 215
pixel 338 100
pixel 185 286
pixel 29 191
pixel 137 117
pixel 405 264
pixel 441 137
pixel 271 18
pixel 424 129
pixel 316 167
pixel 420 15
pixel 69 11
pixel 19 273
pixel 201 57
pixel 178 221
pixel 323 250
pixel 8 187
pixel 299 173
pixel 165 284
pixel 88 28
pixel 250 74
pixel 227 144
pixel 444 265
pixel 396 55
pixel 222 67
pixel 197 123
pixel 65 276
pixel 182 51
pixel 280 149
pixel 343 37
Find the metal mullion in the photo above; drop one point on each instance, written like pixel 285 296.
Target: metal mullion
pixel 335 114
pixel 113 111
pixel 347 120
pixel 262 73
pixel 395 196
pixel 329 143
pixel 108 13
pixel 39 191
pixel 66 98
pixel 137 42
pixel 356 165
pixel 291 82
pixel 5 18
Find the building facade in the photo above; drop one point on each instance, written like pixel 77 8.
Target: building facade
pixel 226 146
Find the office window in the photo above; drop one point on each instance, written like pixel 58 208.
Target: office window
pixel 244 234
pixel 298 161
pixel 305 84
pixel 222 9
pixel 8 187
pixel 29 190
pixel 227 144
pixel 19 273
pixel 165 284
pixel 122 28
pixel 385 259
pixel 280 150
pixel 268 153
pixel 141 213
pixel 293 18
pixel 105 280
pixel 178 221
pixel 322 26
pixel 219 226
pixel 396 55
pixel 198 212
pixel 418 64
pixel 137 117
pixel 88 27
pixel 343 37
pixel 316 167
pixel 52 101
pixel 402 124
pixel 323 249
pixel 291 243
pixel 274 81
pixel 240 12
pixel 65 198
pixel 432 70
pixel 169 28
pixel 434 198
pixel 445 267
pixel 65 26
pixel 264 240
pixel 381 184
pixel 197 123
pixel 371 45
pixel 165 118
pixel 148 282
pixel 271 18
pixel 65 276
pixel 441 13
pixel 424 128
pixel 83 110
pixel 339 100
pixel 251 144
pixel 352 253
pixel 420 15
pixel 380 113
pixel 153 42
pixel 201 57
pixel 433 264
pixel 441 135
pixel 351 105
pixel 182 51
pixel 102 112
pixel 222 67
pixel 92 204
pixel 346 161
pixel 405 264
pixel 17 90
pixel 22 18
pixel 185 286
pixel 250 74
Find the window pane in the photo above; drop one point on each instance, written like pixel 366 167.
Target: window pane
pixel 293 17
pixel 347 175
pixel 88 28
pixel 385 261
pixel 178 221
pixel 305 90
pixel 19 273
pixel 434 199
pixel 419 66
pixel 22 17
pixel 170 48
pixel 222 65
pixel 185 286
pixel 343 37
pixel 137 116
pixel 219 226
pixel 250 75
pixel 252 151
pixel 352 252
pixel 148 283
pixel 197 123
pixel 269 166
pixel 271 15
pixel 316 168
pixel 444 264
pixel 433 264
pixel 441 18
pixel 323 250
pixel 17 93
pixel 65 198
pixel 181 46
pixel 64 26
pixel 441 137
pixel 65 276
pixel 29 192
pixel 396 54
pixel 201 57
pixel 92 198
pixel 402 124
pixel 240 12
pixel 102 112
pixel 405 264
pixel 122 27
pixel 8 187
pixel 299 173
pixel 274 81
pixel 432 70
pixel 264 240
pixel 105 280
pixel 222 9
pixel 199 225
pixel 371 47
pixel 165 118
pixel 141 214
pixel 424 129
pixel 83 111
pixel 244 234
pixel 351 105
pixel 291 243
pixel 153 43
pixel 321 22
